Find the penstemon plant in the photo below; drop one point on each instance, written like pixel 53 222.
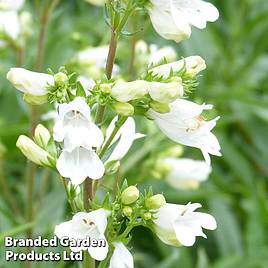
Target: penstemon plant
pixel 84 149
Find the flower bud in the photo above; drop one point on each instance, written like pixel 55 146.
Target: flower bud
pixel 127 211
pixel 41 136
pixel 35 100
pixel 130 195
pixel 61 79
pixel 127 91
pixel 105 88
pixel 147 216
pixel 165 92
pixel 155 201
pixel 32 83
pixel 123 108
pixel 33 152
pixel 159 107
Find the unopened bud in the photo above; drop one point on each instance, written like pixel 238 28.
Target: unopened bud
pixel 123 108
pixel 155 201
pixel 130 195
pixel 159 107
pixel 61 79
pixel 147 216
pixel 127 211
pixel 41 136
pixel 33 152
pixel 105 88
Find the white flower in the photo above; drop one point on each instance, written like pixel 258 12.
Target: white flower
pixel 184 124
pixel 126 135
pixel 157 55
pixel 75 126
pixel 180 225
pixel 11 4
pixel 193 65
pixel 172 19
pixel 33 152
pixel 186 173
pixel 121 257
pixel 87 225
pixel 10 24
pixel 80 164
pixel 165 92
pixel 30 82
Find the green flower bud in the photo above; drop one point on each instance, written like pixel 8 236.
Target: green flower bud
pixel 116 206
pixel 105 88
pixel 41 136
pixel 33 152
pixel 155 201
pixel 147 216
pixel 34 99
pixel 127 211
pixel 123 108
pixel 61 79
pixel 159 107
pixel 130 195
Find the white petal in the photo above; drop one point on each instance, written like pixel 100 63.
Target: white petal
pixel 184 235
pixel 9 23
pixel 99 253
pixel 121 257
pixel 206 220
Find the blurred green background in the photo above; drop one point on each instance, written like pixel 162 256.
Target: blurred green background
pixel 235 81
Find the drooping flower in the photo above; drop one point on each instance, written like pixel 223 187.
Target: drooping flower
pixel 186 173
pixel 185 125
pixel 173 19
pixel 121 257
pixel 87 225
pixel 29 82
pixel 193 65
pixel 178 225
pixel 80 135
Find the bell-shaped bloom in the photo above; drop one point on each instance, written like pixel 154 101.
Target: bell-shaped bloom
pixel 11 4
pixel 79 164
pixel 185 125
pixel 121 257
pixel 87 225
pixel 75 126
pixel 173 19
pixel 165 92
pixel 30 82
pixel 193 65
pixel 9 24
pixel 178 225
pixel 33 152
pixel 186 173
pixel 124 138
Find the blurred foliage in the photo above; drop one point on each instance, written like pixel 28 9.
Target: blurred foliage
pixel 236 52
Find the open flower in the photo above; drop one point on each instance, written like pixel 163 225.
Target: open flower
pixel 193 65
pixel 121 257
pixel 173 19
pixel 80 135
pixel 87 225
pixel 184 124
pixel 29 82
pixel 178 225
pixel 186 173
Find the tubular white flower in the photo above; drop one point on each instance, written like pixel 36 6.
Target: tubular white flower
pixel 186 173
pixel 30 82
pixel 79 164
pixel 84 225
pixel 178 225
pixel 33 152
pixel 193 65
pixel 11 4
pixel 10 24
pixel 184 124
pixel 165 92
pixel 121 257
pixel 126 136
pixel 127 91
pixel 75 127
pixel 172 19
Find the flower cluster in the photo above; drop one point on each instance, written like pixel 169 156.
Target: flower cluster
pixel 86 146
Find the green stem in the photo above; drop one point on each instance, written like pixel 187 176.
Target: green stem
pixel 70 200
pixel 88 261
pixel 105 262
